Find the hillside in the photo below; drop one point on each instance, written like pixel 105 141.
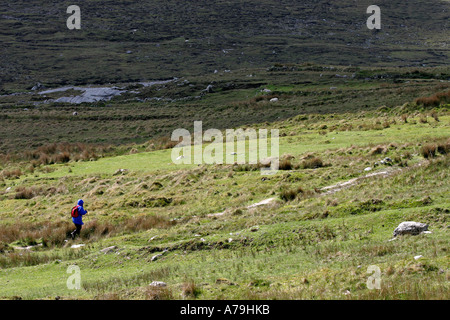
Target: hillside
pixel 129 41
pixel 364 142
pixel 309 232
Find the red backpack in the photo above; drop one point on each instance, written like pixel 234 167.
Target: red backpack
pixel 75 212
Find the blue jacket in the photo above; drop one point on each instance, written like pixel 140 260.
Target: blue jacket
pixel 81 213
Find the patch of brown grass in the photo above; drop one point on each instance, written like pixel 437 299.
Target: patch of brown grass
pixel 158 293
pixel 311 163
pixel 428 151
pixel 435 100
pixel 378 150
pixel 190 289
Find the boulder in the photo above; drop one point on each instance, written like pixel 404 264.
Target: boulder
pixel 410 227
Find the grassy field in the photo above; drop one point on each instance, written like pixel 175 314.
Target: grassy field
pixel 364 141
pixel 236 100
pixel 305 244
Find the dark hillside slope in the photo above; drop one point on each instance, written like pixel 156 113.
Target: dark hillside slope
pixel 123 41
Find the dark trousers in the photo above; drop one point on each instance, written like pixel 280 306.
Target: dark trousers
pixel 77 231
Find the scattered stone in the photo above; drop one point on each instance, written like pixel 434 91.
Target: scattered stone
pixel 75 246
pixel 156 257
pixel 158 284
pixel 261 203
pixel 120 171
pixel 410 227
pixel 386 161
pixel 209 89
pixel 418 257
pixel 108 250
pixel 37 86
pixel 368 169
pixel 274 100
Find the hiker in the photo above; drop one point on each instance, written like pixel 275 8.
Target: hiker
pixel 77 218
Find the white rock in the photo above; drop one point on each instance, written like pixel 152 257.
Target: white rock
pixel 156 257
pixel 108 250
pixel 274 100
pixel 418 257
pixel 158 284
pixel 410 227
pixel 75 246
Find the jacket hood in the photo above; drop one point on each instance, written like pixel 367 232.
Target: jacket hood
pixel 80 202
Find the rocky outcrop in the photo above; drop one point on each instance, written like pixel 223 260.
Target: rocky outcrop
pixel 410 227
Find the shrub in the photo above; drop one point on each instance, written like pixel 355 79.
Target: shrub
pixel 404 117
pixel 435 100
pixel 291 194
pixel 26 193
pixel 378 150
pixel 285 165
pixel 428 151
pixel 443 148
pixel 11 174
pixel 158 293
pixel 190 289
pixel 312 163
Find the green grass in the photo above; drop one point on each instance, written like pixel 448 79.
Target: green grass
pixel 313 247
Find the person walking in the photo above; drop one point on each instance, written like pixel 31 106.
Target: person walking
pixel 77 218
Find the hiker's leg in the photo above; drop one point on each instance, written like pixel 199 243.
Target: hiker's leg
pixel 78 229
pixel 76 232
